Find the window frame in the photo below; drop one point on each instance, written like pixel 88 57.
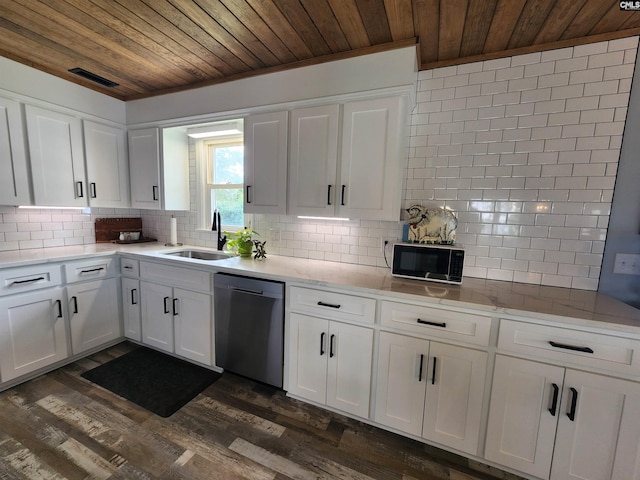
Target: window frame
pixel 205 174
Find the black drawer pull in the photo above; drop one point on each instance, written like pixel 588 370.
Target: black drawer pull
pixel 421 364
pixel 79 191
pixel 59 308
pixel 342 195
pixel 570 347
pixel 92 188
pixel 433 324
pixel 332 305
pixel 554 402
pixel 133 296
pixel 328 194
pixel 176 310
pixel 91 270
pixel 75 304
pixel 248 194
pixel 322 343
pixel 18 282
pixel 155 192
pixel 331 343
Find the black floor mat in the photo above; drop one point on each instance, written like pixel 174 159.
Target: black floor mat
pixel 160 383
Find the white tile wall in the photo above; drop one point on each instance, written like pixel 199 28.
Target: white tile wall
pixel 524 149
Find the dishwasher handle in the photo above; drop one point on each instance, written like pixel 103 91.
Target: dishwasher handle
pixel 246 290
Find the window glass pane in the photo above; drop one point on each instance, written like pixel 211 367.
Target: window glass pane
pixel 228 165
pixel 229 202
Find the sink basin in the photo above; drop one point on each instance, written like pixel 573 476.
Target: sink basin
pixel 199 254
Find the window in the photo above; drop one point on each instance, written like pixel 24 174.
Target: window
pixel 224 179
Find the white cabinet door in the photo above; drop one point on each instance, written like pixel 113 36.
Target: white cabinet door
pixel 33 332
pixel 308 357
pixel 349 368
pixel 192 324
pixel 265 163
pixel 57 158
pixel 313 161
pixel 144 167
pixel 107 165
pixel 372 159
pixel 598 429
pixel 157 315
pixel 14 181
pixel 455 391
pixel 174 169
pixel 94 314
pixel 522 418
pixel 402 379
pixel 131 308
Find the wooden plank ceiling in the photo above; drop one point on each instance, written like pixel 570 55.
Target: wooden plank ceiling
pixel 151 47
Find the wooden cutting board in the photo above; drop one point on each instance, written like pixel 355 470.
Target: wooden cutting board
pixel 108 229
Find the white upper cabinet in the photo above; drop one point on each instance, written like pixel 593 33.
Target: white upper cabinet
pixel 57 158
pixel 347 160
pixel 265 163
pixel 107 165
pixel 371 165
pixel 313 161
pixel 14 181
pixel 159 166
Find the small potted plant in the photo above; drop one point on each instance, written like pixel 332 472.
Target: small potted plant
pixel 241 241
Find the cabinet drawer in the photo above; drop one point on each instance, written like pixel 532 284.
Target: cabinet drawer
pixel 186 278
pixel 332 305
pixel 89 269
pixel 573 346
pixel 25 279
pixel 129 267
pixel 436 322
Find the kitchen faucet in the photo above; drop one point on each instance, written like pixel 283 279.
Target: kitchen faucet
pixel 217 225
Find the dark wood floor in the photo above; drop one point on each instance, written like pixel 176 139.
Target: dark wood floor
pixel 62 426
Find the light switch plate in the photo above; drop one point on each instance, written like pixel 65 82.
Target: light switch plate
pixel 627 263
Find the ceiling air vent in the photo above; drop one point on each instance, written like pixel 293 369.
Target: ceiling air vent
pixel 93 77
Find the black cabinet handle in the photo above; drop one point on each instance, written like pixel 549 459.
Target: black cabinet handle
pixel 248 193
pixel 421 364
pixel 332 305
pixel 18 282
pixel 328 194
pixel 331 344
pixel 92 270
pixel 342 195
pixel 554 402
pixel 74 299
pixel 433 324
pixel 79 190
pixel 570 347
pixel 433 373
pixel 133 296
pixel 322 343
pixel 155 192
pixel 166 307
pixel 574 403
pixel 59 302
pixel 92 189
pixel 176 304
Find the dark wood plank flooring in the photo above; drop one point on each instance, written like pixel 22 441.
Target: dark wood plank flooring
pixel 61 426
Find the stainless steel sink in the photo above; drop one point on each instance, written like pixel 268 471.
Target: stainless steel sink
pixel 199 254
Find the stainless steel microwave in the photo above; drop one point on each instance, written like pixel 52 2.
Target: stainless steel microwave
pixel 436 263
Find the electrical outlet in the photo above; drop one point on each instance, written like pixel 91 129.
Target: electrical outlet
pixel 385 243
pixel 627 263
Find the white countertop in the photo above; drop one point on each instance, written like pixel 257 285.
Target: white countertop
pixel 582 307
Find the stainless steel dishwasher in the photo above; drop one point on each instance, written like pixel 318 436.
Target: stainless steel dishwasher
pixel 249 327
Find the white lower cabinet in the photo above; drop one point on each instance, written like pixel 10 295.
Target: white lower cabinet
pixel 552 422
pixel 33 332
pixel 431 389
pixel 330 363
pixel 94 314
pixel 131 316
pixel 174 319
